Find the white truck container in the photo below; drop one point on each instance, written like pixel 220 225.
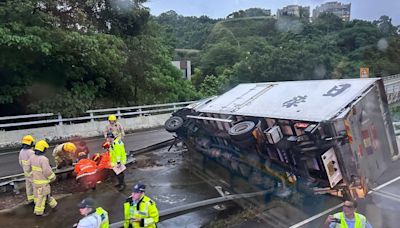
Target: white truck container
pixel 334 135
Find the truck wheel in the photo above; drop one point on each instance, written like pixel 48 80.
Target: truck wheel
pixel 173 123
pixel 242 130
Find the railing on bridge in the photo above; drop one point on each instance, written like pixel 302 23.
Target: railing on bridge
pixel 51 119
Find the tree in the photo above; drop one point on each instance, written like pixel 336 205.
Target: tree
pixel 68 56
pixel 385 25
pixel 219 55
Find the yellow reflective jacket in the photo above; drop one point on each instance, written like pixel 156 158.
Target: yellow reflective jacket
pixel 360 220
pixel 103 215
pixel 42 173
pixel 117 152
pixel 145 209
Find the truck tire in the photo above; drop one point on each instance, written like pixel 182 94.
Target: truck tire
pixel 242 130
pixel 173 123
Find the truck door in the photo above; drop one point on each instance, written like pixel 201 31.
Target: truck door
pixel 371 141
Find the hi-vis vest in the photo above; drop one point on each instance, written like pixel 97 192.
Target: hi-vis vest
pixel 117 152
pixel 360 220
pixel 145 210
pixel 103 215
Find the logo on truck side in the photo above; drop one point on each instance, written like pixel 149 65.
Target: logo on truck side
pixel 295 101
pixel 336 90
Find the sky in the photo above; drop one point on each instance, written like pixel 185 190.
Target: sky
pixel 360 9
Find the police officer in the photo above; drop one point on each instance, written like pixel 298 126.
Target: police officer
pixel 139 209
pixel 93 218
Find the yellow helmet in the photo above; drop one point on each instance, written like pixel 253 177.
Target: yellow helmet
pixel 112 118
pixel 28 140
pixel 41 146
pixel 69 147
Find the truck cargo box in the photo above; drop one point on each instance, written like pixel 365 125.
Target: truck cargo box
pixel 335 135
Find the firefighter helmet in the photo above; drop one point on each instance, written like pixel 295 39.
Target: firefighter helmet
pixel 69 147
pixel 28 140
pixel 112 118
pixel 41 146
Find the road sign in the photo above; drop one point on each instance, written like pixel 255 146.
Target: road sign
pixel 364 72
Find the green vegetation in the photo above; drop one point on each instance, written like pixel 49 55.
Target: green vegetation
pixel 69 56
pixel 259 49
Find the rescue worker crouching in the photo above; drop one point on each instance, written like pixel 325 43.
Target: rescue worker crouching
pixel 64 154
pixel 42 175
pixel 94 217
pixel 140 210
pixel 117 158
pixel 24 155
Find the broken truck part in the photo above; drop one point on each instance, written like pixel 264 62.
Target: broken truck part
pixel 333 136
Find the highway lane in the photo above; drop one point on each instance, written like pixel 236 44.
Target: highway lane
pixel 9 161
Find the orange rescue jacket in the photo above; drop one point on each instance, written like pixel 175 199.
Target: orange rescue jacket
pixel 85 166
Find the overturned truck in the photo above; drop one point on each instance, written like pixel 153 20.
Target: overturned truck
pixel 334 136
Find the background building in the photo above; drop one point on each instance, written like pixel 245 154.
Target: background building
pixel 294 11
pixel 186 68
pixel 336 8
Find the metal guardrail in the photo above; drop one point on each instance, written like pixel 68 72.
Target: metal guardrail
pixel 93 115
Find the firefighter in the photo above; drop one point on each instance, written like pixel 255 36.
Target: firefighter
pixel 42 175
pixel 139 209
pixel 117 158
pixel 114 127
pixel 24 155
pixel 94 217
pixel 64 154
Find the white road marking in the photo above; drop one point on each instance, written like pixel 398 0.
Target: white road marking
pixel 316 216
pixel 388 196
